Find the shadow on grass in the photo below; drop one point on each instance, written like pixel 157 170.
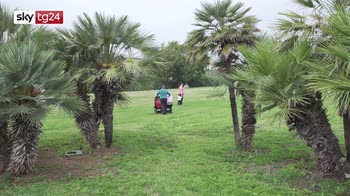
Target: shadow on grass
pixel 144 143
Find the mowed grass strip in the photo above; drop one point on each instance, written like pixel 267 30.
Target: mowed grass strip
pixel 188 152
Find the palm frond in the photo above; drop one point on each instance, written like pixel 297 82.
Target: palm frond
pixel 307 3
pixel 32 80
pixel 331 74
pixel 103 46
pixel 277 77
pixel 221 26
pixel 123 100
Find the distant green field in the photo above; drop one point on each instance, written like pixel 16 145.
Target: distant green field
pixel 189 152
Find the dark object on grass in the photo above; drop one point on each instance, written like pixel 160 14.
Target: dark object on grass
pixel 158 106
pixel 73 153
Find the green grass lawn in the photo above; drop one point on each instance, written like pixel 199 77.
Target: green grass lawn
pixel 189 152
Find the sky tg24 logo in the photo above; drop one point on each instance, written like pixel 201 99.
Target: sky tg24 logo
pixel 38 17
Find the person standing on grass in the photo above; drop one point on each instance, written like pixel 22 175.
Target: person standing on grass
pixel 163 95
pixel 179 99
pixel 181 92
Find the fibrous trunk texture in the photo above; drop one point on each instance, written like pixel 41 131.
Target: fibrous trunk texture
pixel 248 122
pixel 311 124
pixel 228 67
pixel 4 146
pixel 24 153
pixel 346 123
pixel 87 120
pixel 105 96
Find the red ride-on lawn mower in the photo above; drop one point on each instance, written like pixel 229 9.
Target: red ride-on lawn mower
pixel 158 105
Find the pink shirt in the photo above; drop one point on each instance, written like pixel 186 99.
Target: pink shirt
pixel 181 89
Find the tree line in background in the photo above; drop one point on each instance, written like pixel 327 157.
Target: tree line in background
pixel 177 66
pixel 106 55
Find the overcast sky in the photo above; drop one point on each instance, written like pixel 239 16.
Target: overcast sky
pixel 168 19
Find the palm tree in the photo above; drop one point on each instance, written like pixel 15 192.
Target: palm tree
pixel 43 37
pixel 331 74
pixel 47 39
pixel 308 25
pixel 280 79
pixel 102 44
pixel 31 81
pixel 7 29
pixel 222 26
pixel 86 119
pixel 319 30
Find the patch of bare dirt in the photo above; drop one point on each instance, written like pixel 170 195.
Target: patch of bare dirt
pixel 53 167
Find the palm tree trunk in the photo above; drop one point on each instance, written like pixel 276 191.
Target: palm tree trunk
pixel 312 125
pixel 248 122
pixel 105 97
pixel 107 120
pixel 234 114
pixel 88 127
pixel 87 120
pixel 4 146
pixel 24 154
pixel 98 90
pixel 346 123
